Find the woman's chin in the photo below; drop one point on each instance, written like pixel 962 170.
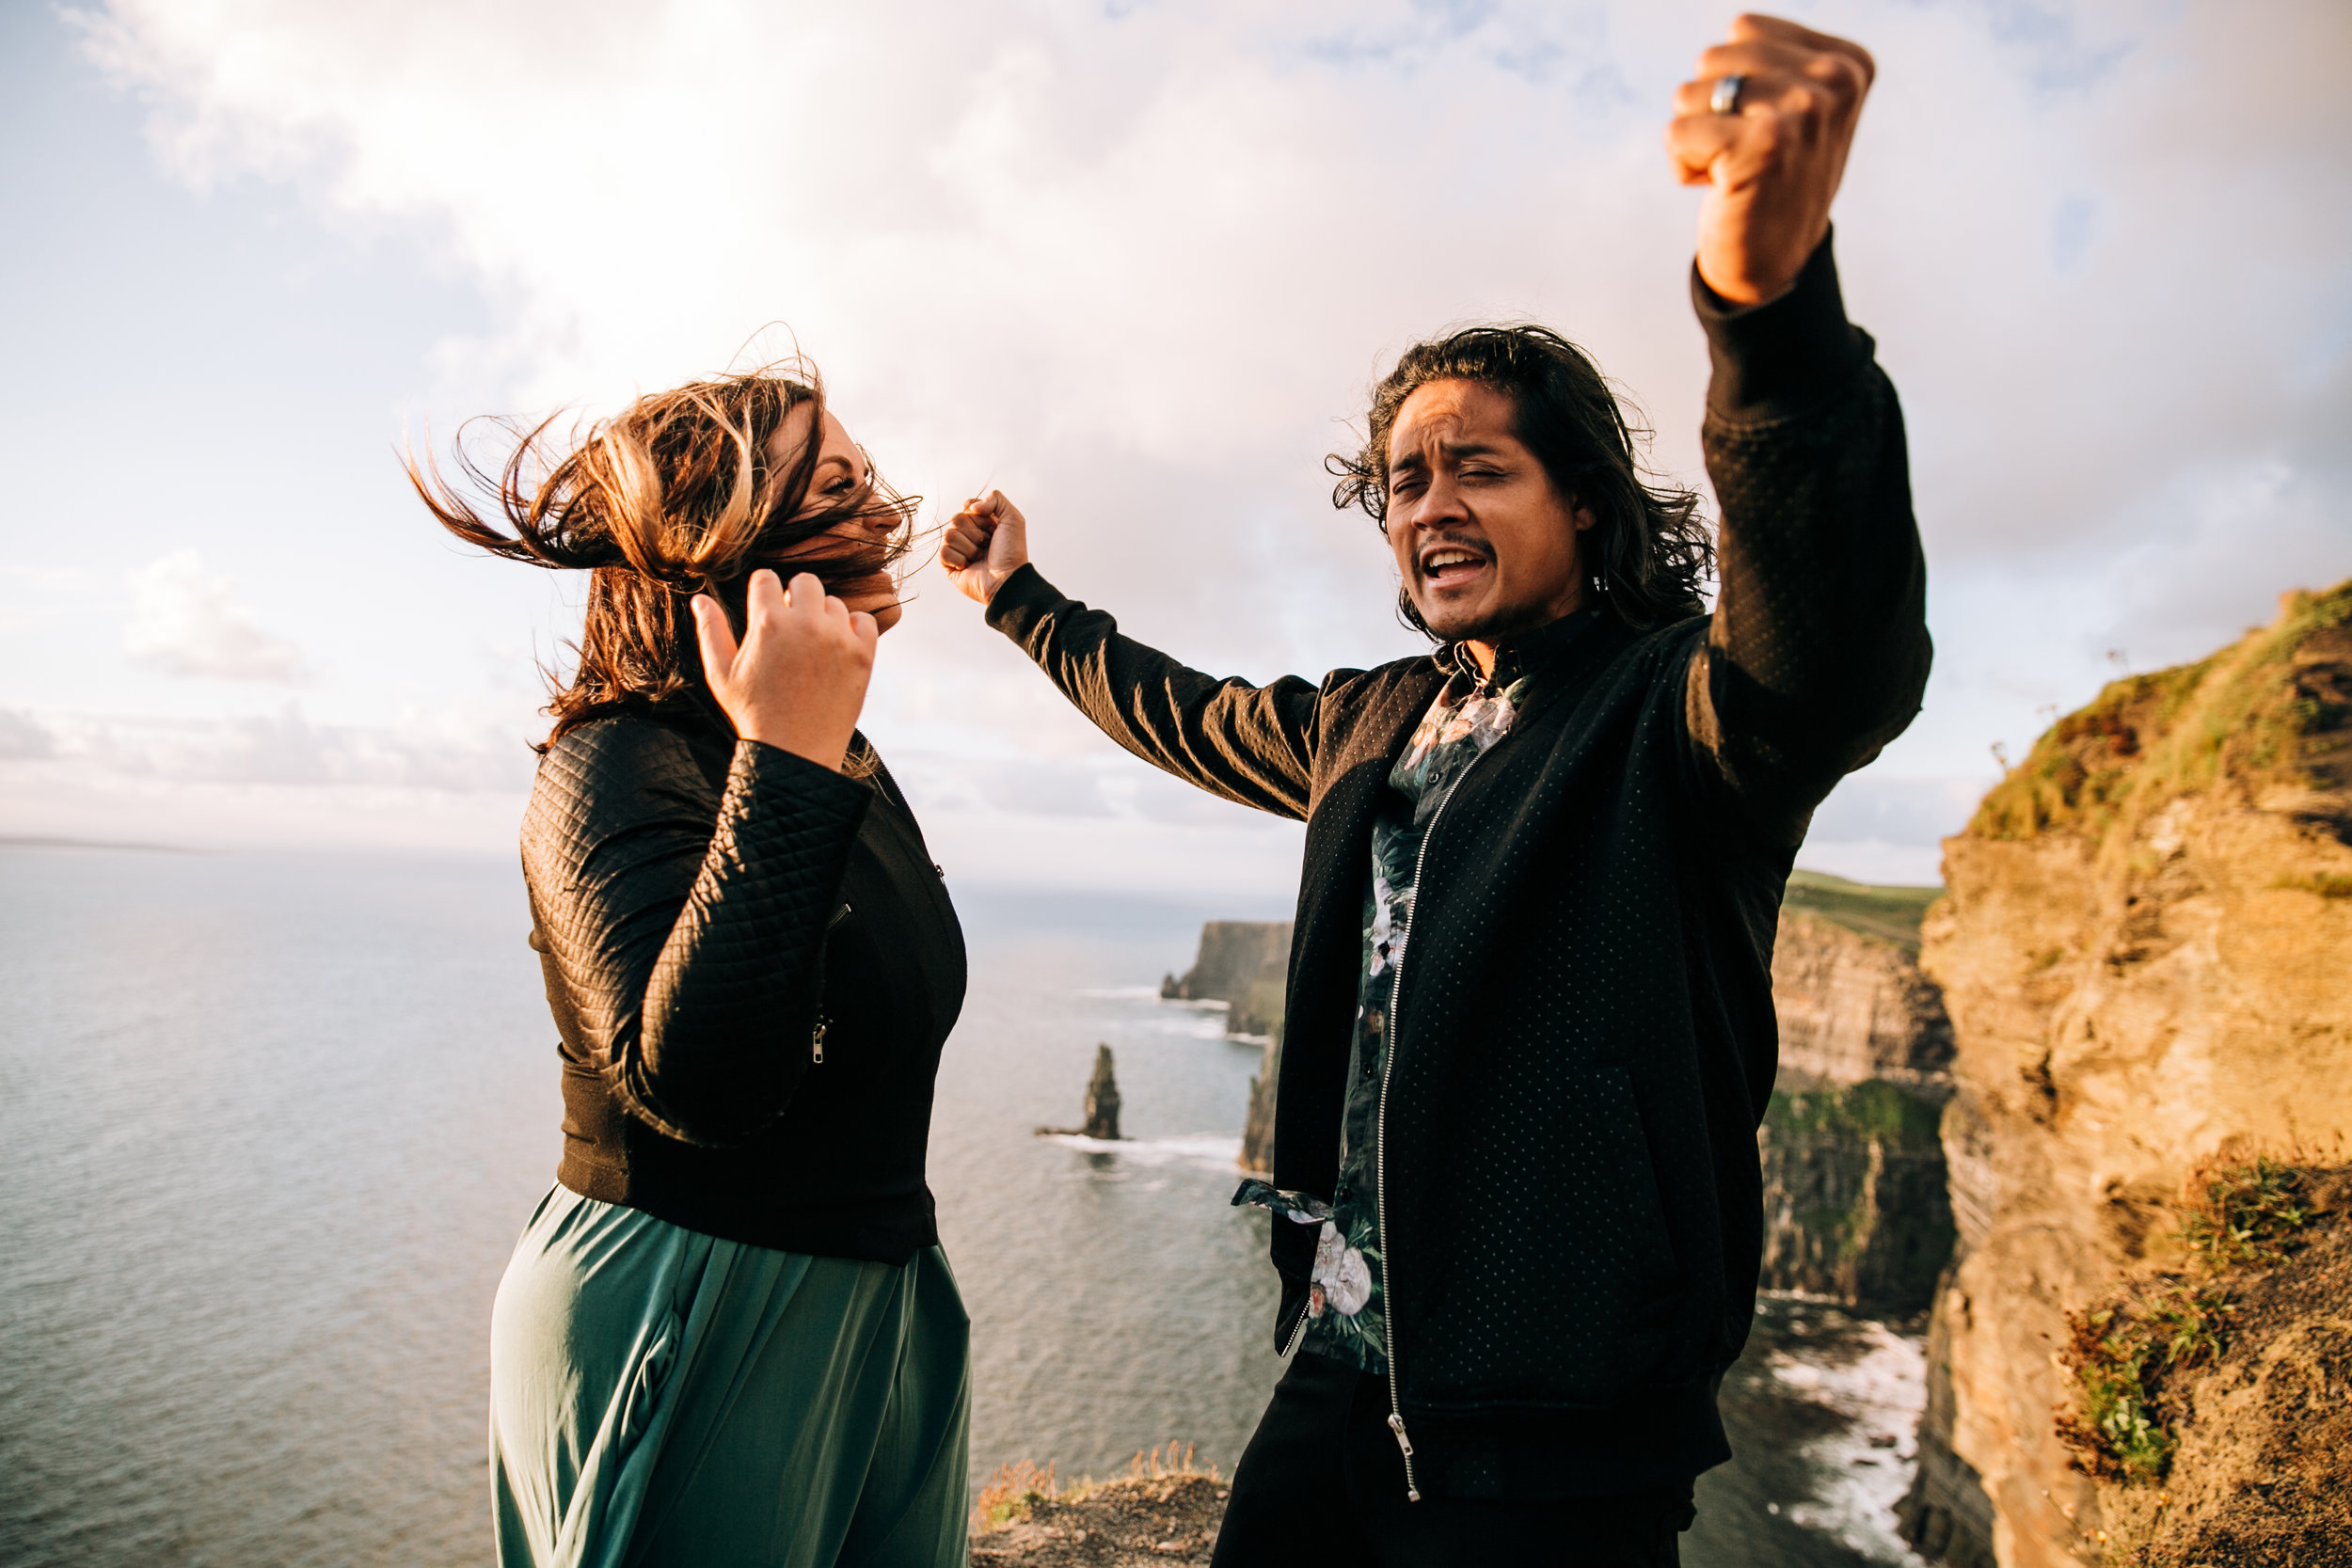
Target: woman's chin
pixel 885 614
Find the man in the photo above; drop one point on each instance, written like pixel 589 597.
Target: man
pixel 1530 1025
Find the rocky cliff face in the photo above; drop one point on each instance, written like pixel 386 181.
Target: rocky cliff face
pixel 2146 952
pixel 1244 964
pixel 1854 1189
pixel 1855 1203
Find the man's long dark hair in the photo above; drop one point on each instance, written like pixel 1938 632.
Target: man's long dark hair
pixel 1648 550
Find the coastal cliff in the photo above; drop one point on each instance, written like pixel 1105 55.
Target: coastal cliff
pixel 1855 1205
pixel 1246 965
pixel 2146 952
pixel 1854 1187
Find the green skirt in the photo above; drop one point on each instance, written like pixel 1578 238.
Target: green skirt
pixel 662 1397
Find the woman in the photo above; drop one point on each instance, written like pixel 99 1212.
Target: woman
pixel 728 1334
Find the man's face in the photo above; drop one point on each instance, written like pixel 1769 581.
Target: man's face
pixel 1485 546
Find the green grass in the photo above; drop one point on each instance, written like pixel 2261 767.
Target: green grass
pixel 2246 1213
pixel 2124 1354
pixel 2125 1350
pixel 1887 913
pixel 1873 1109
pixel 2147 739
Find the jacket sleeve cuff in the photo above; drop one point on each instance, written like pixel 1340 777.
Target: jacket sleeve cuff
pixel 1021 601
pixel 1783 357
pixel 819 795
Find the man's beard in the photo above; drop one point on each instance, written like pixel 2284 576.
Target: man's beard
pixel 1495 626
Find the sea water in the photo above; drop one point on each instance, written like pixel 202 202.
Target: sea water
pixel 271 1125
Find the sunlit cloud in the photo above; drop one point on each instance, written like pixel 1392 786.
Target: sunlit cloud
pixel 1137 264
pixel 186 620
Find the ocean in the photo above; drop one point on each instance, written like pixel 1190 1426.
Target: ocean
pixel 272 1123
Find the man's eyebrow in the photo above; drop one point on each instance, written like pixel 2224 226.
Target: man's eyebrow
pixel 1468 448
pixel 1455 450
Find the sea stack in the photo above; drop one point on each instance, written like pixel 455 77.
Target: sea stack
pixel 1102 1098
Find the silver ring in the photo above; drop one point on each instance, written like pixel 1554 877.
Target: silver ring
pixel 1724 99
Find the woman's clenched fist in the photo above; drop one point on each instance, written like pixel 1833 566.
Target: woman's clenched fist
pixel 797 680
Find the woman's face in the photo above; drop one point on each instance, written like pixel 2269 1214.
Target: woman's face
pixel 841 471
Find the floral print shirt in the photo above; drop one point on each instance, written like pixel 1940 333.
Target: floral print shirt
pixel 1345 1320
pixel 1344 1306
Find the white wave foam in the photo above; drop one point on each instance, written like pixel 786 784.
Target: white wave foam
pixel 1881 1392
pixel 1201 1150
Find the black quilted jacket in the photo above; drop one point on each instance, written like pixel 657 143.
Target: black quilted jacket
pixel 1583 1039
pixel 752 964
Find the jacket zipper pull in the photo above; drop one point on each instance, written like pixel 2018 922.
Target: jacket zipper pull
pixel 816 1039
pixel 1396 1424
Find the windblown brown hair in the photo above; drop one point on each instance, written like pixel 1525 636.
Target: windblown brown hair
pixel 674 496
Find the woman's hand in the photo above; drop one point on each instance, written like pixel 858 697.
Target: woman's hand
pixel 799 678
pixel 987 542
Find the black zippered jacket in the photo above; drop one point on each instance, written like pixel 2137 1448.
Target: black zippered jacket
pixel 1583 1041
pixel 711 915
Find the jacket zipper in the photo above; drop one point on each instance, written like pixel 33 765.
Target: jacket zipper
pixel 1380 1124
pixel 1297 1334
pixel 817 1036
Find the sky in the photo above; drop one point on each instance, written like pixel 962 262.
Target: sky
pixel 1136 263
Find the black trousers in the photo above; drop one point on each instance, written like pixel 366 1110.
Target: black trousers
pixel 1322 1480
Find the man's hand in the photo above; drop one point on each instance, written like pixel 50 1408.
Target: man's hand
pixel 987 542
pixel 1773 164
pixel 799 678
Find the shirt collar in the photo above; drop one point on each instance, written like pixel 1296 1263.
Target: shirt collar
pixel 1518 657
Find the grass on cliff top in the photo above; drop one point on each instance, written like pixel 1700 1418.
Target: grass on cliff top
pixel 2131 1352
pixel 1871 1111
pixel 1017 1489
pixel 1884 913
pixel 2148 739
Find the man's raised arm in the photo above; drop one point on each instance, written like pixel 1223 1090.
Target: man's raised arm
pixel 1248 743
pixel 1818 649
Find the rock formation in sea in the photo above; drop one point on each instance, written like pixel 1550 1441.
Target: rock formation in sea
pixel 1102 1097
pixel 1102 1104
pixel 2146 952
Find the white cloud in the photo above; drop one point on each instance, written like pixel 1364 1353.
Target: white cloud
pixel 22 736
pixel 1135 264
pixel 186 621
pixel 281 750
pixel 276 781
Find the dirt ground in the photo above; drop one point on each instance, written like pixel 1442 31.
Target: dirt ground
pixel 2264 1474
pixel 1122 1524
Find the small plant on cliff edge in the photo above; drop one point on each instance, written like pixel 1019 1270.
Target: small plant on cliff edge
pixel 2123 1354
pixel 2127 1349
pixel 1017 1489
pixel 2245 1214
pixel 1008 1498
